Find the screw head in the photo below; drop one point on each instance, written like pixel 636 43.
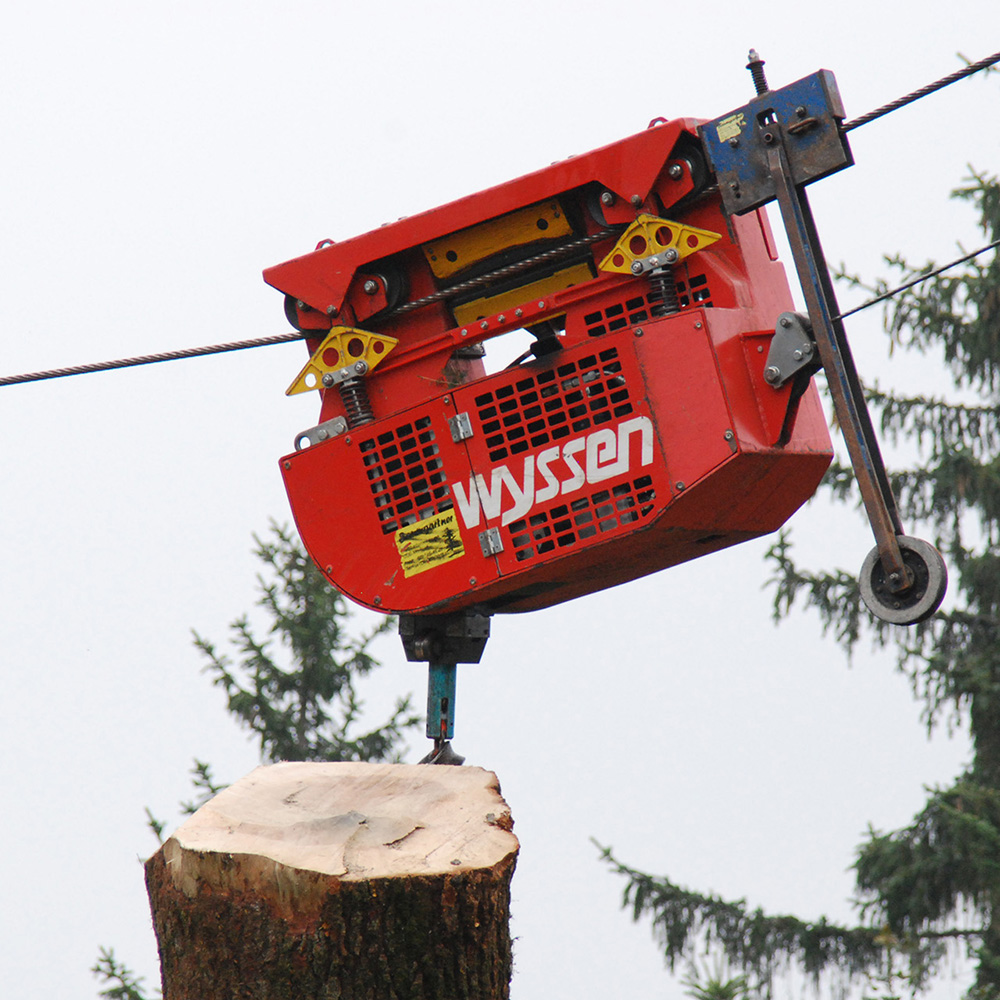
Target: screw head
pixel 769 137
pixel 501 318
pixel 329 569
pixel 287 465
pixel 728 435
pixel 670 255
pixel 637 267
pixel 519 313
pixel 680 486
pixel 484 325
pixel 797 355
pixel 785 321
pixel 377 602
pixel 771 374
pixel 360 367
pixel 734 142
pixel 638 331
pixel 300 304
pixel 370 286
pixel 327 380
pixel 636 200
pixel 676 171
pixel 607 198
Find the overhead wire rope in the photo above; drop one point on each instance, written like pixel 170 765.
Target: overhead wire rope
pixel 194 352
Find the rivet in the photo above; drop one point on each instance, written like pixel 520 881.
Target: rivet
pixel 636 200
pixel 377 602
pixel 679 486
pixel 638 331
pixel 472 581
pixel 501 318
pixel 607 198
pixel 541 305
pixel 447 399
pixel 519 312
pixel 329 569
pixel 347 440
pixel 760 350
pixel 676 171
pixel 734 142
pixel 288 465
pixel 465 333
pixel 484 325
pixel 728 435
pixel 331 310
pixel 697 326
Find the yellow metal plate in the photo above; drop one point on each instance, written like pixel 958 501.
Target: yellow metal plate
pixel 649 235
pixel 342 347
pixel 492 304
pixel 451 254
pixel 429 543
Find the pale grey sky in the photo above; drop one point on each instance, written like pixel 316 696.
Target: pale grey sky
pixel 156 159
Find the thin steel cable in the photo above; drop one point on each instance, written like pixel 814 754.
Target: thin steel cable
pixel 922 92
pixel 150 359
pixel 918 281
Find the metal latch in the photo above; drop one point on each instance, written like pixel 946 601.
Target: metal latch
pixel 490 542
pixel 321 432
pixel 461 427
pixel 792 349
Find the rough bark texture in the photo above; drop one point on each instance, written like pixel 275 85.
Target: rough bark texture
pixel 343 881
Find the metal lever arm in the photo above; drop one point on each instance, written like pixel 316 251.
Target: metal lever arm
pixel 835 354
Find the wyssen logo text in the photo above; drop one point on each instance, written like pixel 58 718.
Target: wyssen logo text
pixel 604 453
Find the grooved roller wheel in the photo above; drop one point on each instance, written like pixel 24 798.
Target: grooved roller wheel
pixel 921 599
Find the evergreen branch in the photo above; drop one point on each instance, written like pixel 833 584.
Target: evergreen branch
pixel 121 982
pixel 759 944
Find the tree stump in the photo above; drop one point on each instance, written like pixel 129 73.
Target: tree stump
pixel 339 881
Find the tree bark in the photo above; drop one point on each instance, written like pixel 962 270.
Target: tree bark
pixel 339 881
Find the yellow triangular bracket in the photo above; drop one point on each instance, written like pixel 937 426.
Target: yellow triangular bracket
pixel 345 353
pixel 649 236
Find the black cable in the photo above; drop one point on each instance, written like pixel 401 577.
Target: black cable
pixel 920 280
pixel 922 92
pixel 150 359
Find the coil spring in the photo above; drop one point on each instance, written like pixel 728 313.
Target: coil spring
pixel 358 407
pixel 662 280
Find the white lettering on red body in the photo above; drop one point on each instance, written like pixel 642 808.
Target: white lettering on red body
pixel 603 454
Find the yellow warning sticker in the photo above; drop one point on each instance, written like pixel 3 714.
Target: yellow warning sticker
pixel 731 127
pixel 429 543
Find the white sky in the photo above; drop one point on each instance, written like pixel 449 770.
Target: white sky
pixel 155 160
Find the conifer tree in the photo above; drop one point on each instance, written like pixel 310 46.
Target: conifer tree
pixel 295 690
pixel 937 880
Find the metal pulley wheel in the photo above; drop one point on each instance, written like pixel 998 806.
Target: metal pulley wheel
pixel 921 599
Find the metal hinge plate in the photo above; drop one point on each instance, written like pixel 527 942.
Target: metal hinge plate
pixel 461 427
pixel 490 542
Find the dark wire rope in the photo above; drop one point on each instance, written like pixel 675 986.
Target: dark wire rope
pixel 240 345
pixel 901 102
pixel 150 359
pixel 916 281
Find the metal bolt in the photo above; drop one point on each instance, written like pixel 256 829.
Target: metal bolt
pixel 680 486
pixel 676 171
pixel 484 325
pixel 377 602
pixel 288 465
pixel 894 577
pixel 638 331
pixel 800 111
pixel 300 304
pixel 329 569
pixel 607 198
pixel 370 286
pixel 771 374
pixel 785 321
pixel 541 305
pixel 465 333
pixel 501 318
pixel 636 200
pixel 697 326
pixel 447 399
pixel 760 349
pixel 472 581
pixel 332 310
pixel 797 355
pixel 734 142
pixel 360 367
pixel 768 137
pixel 654 261
pixel 637 267
pixel 347 440
pixel 328 380
pixel 729 435
pixel 519 313
pixel 670 255
pixel 323 434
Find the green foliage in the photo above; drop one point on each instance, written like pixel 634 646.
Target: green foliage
pixel 937 880
pixel 712 984
pixel 120 982
pixel 299 699
pixel 307 708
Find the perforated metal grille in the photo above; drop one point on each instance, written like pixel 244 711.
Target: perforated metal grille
pixel 551 405
pixel 640 308
pixel 584 517
pixel 405 474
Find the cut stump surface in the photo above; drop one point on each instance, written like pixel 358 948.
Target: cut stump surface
pixel 339 881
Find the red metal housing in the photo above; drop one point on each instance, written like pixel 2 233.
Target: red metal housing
pixel 643 435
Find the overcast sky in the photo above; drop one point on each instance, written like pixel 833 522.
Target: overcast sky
pixel 156 159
